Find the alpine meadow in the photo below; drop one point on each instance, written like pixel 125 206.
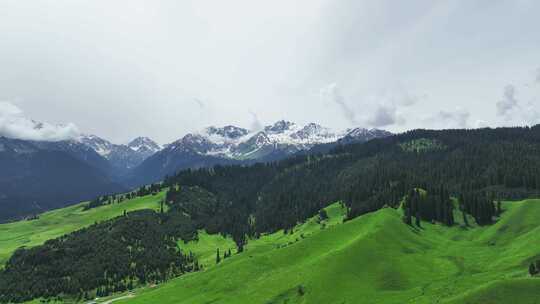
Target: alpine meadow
pixel 251 152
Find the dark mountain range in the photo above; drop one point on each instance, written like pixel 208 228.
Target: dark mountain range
pixel 40 176
pixel 40 170
pixel 122 158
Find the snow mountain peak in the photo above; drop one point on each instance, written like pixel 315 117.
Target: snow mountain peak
pixel 122 157
pixel 144 144
pixel 281 138
pixel 280 126
pixel 231 132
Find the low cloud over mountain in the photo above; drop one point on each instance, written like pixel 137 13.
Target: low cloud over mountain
pixel 13 124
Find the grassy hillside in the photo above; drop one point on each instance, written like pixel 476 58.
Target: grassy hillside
pixel 59 222
pixel 374 258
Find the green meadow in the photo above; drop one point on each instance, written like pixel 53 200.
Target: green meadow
pixel 58 222
pixel 374 258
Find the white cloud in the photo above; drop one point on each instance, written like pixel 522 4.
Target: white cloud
pixel 199 102
pixel 516 112
pixel 481 124
pixel 263 56
pixel 332 93
pixel 508 103
pixel 256 124
pixel 530 114
pixel 383 116
pixel 13 124
pixel 458 118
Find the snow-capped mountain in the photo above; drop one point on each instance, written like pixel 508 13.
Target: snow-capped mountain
pixel 122 157
pixel 281 137
pixel 101 146
pixel 144 146
pixel 235 145
pixel 362 135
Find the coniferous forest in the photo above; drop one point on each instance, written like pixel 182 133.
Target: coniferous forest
pixel 108 257
pixel 477 166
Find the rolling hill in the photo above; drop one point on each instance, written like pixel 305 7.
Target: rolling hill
pixel 58 222
pixel 374 258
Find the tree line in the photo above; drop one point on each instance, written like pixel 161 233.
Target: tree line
pixel 110 199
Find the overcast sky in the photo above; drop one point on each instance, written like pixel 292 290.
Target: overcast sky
pixel 120 69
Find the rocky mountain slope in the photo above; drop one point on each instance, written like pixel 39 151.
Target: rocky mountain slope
pixel 122 157
pixel 235 145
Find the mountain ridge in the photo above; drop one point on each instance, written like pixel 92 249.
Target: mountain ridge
pixel 235 145
pixel 122 157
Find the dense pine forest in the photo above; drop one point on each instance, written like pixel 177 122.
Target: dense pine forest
pixel 108 257
pixel 479 166
pixel 427 173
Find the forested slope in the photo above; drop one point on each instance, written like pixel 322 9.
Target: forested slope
pixel 479 166
pixel 375 258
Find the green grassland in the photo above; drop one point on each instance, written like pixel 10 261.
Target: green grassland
pixel 422 145
pixel 374 258
pixel 56 223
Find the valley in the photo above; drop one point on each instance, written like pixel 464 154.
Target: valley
pixel 374 258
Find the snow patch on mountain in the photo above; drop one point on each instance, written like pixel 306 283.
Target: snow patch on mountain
pixel 144 145
pixel 283 136
pixel 122 156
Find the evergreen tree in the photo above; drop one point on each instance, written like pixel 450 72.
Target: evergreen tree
pixel 218 258
pixel 323 215
pixel 532 270
pixel 407 217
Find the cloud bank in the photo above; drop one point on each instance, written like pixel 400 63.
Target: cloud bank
pixel 13 124
pixel 449 119
pixel 256 124
pixel 384 115
pixel 458 118
pixel 331 93
pixel 508 103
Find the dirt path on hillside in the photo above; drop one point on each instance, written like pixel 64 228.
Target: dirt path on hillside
pixel 118 299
